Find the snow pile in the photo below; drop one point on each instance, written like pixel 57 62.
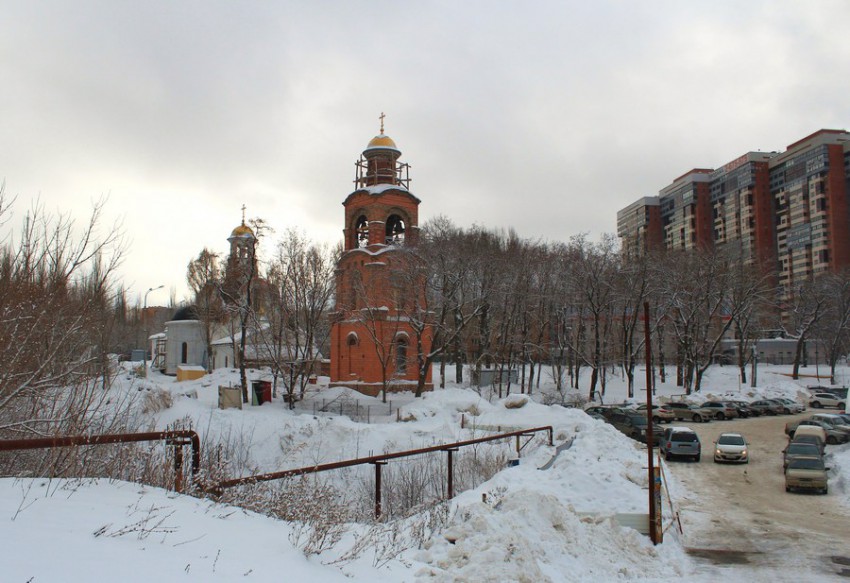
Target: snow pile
pixel 531 537
pixel 117 531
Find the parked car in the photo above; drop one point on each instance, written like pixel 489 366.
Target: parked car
pixel 680 442
pixel 802 437
pixel 819 400
pixel 791 406
pixel 660 413
pixel 835 421
pixel 765 407
pixel 808 473
pixel 685 412
pixel 743 409
pixel 782 407
pixel 634 425
pixel 722 410
pixel 601 411
pixel 797 449
pixel 830 435
pixel 731 447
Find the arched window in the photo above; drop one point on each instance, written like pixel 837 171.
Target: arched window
pixel 395 230
pixel 184 353
pixel 361 232
pixel 401 355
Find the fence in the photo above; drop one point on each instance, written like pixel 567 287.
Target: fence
pixel 380 460
pixel 353 409
pixel 176 439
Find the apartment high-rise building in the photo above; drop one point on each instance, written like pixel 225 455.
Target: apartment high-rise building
pixel 742 208
pixel 809 185
pixel 639 226
pixel 788 212
pixel 686 211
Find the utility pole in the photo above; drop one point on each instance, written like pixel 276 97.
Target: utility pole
pixel 654 475
pixel 145 319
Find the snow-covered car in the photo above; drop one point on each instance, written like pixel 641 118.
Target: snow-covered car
pixel 807 473
pixel 819 400
pixel 731 447
pixel 680 442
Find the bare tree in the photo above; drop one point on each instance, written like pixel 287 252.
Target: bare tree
pixel 695 293
pixel 593 285
pixel 806 306
pixel 833 329
pixel 298 295
pixel 205 280
pixel 56 296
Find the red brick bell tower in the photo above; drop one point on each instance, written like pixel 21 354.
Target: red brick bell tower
pixel 372 340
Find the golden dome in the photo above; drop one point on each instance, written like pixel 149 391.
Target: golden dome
pixel 383 142
pixel 242 230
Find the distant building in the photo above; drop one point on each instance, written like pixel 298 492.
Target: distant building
pixel 809 184
pixel 686 211
pixel 787 212
pixel 639 226
pixel 742 209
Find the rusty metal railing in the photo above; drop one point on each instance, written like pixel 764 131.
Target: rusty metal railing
pixel 380 460
pixel 176 439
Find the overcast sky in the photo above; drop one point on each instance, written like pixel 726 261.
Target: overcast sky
pixel 547 117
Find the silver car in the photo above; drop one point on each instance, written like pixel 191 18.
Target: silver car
pixel 731 447
pixel 680 442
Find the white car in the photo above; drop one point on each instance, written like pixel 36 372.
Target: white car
pixel 819 400
pixel 731 447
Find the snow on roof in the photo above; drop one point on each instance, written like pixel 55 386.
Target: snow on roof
pixel 379 188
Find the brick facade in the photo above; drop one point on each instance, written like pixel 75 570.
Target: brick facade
pixel 372 339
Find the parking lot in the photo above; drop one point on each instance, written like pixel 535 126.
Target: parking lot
pixel 733 513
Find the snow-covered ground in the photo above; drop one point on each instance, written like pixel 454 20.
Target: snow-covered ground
pixel 525 524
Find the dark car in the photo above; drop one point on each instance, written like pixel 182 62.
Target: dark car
pixel 634 425
pixel 810 439
pixel 797 449
pixel 743 409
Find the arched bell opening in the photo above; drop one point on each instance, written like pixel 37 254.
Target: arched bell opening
pixel 361 232
pixel 395 230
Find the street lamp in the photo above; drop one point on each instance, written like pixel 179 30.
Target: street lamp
pixel 145 318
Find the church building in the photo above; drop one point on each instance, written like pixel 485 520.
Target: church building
pixel 373 343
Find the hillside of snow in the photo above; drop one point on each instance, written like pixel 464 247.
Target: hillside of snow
pixel 524 524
